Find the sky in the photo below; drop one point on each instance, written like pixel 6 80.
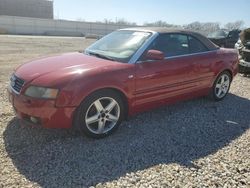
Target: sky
pixel 178 12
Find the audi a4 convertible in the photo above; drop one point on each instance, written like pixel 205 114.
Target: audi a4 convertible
pixel 123 73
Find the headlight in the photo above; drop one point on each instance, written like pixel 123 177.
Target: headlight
pixel 41 92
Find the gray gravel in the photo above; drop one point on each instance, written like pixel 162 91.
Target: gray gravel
pixel 197 143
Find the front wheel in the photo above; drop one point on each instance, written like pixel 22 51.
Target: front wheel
pixel 221 86
pixel 100 114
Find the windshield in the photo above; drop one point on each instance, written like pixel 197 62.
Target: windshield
pixel 119 45
pixel 218 34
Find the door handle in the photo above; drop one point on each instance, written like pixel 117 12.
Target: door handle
pixel 131 76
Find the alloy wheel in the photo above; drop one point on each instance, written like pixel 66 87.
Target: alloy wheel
pixel 102 115
pixel 222 86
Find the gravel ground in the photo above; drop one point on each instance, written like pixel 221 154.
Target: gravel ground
pixel 197 143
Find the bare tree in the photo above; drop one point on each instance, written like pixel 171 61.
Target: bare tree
pixel 120 21
pixel 195 26
pixel 107 21
pixel 234 25
pixel 161 23
pixel 203 28
pixel 210 27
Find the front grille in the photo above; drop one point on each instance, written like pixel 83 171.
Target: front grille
pixel 16 83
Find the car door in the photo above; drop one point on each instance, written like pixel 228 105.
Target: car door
pixel 157 80
pixel 202 60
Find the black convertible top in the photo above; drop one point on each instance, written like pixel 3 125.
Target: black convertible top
pixel 163 30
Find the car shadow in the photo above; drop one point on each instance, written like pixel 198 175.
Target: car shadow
pixel 180 133
pixel 246 75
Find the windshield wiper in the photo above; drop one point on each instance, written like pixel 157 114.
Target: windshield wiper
pixel 100 56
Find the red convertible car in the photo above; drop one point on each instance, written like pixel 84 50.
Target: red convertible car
pixel 125 72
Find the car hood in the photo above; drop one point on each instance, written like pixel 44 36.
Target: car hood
pixel 245 36
pixel 60 65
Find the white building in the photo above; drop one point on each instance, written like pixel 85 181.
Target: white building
pixel 27 8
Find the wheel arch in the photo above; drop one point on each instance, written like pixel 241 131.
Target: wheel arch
pixel 113 89
pixel 218 74
pixel 212 95
pixel 225 70
pixel 229 71
pixel 122 95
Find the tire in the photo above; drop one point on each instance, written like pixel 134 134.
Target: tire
pixel 221 86
pixel 100 114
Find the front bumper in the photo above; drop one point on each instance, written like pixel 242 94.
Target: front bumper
pixel 244 66
pixel 41 112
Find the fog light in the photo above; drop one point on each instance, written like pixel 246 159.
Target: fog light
pixel 34 120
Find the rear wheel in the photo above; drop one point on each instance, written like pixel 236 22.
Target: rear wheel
pixel 100 114
pixel 221 86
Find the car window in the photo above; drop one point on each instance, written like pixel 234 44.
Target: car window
pixel 119 45
pixel 171 44
pixel 234 34
pixel 178 44
pixel 195 46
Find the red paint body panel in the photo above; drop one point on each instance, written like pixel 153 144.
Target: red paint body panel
pixel 49 115
pixel 145 85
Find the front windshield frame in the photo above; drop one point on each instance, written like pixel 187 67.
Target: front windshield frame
pixel 92 50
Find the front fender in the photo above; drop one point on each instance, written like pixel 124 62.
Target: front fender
pixel 75 92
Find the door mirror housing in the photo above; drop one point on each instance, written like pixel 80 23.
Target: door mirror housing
pixel 155 55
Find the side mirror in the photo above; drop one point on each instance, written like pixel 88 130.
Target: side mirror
pixel 155 55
